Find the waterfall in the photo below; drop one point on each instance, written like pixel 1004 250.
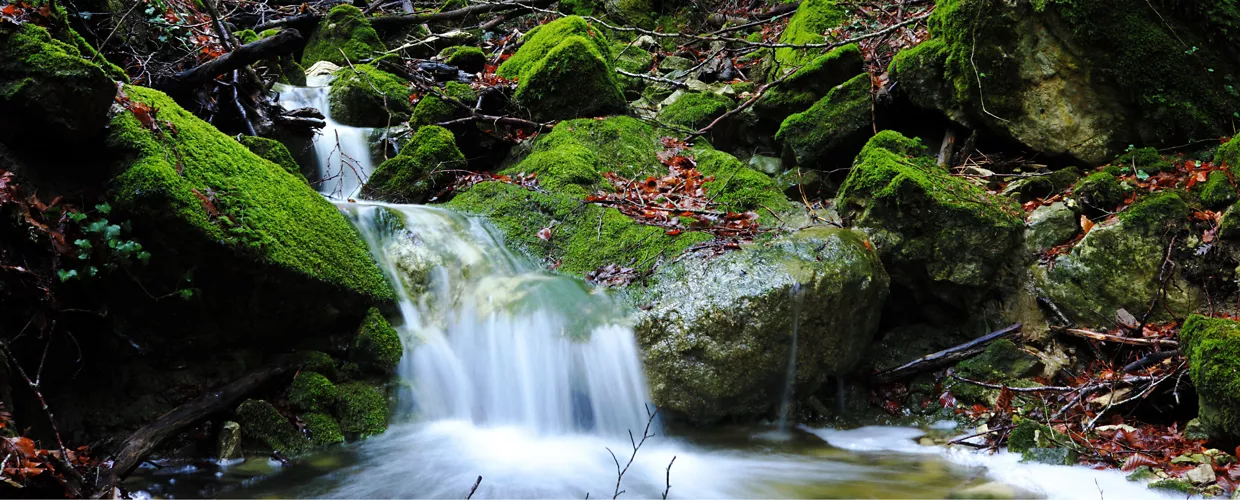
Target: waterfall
pixel 342 154
pixel 790 380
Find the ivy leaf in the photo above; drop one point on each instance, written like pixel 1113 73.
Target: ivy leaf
pixel 83 244
pixel 104 208
pixel 77 216
pixel 66 275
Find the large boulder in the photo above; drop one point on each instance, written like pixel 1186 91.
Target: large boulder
pixel 934 231
pixel 432 109
pixel 49 94
pixel 1076 79
pixel 695 110
pixel 834 127
pixel 365 96
pixel 565 71
pixel 343 36
pixel 422 167
pixel 717 333
pixel 1213 349
pixel 813 18
pixel 809 84
pixel 1119 265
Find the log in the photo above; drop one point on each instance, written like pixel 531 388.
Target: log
pixel 299 22
pixel 946 357
pixel 282 43
pixel 405 19
pixel 141 443
pixel 1103 337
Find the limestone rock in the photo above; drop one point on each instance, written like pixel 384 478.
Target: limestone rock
pixel 365 96
pixel 343 36
pixel 420 168
pixel 228 441
pixel 1051 225
pixel 834 127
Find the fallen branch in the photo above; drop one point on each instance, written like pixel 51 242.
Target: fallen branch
pixel 141 443
pixel 406 19
pixel 946 357
pixel 284 42
pixel 1103 337
pixel 298 22
pixel 675 83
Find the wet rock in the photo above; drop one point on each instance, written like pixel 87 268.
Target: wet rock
pixel 720 347
pixel 1173 485
pixel 362 409
pixel 268 430
pixel 228 441
pixel 1042 186
pixel 834 127
pixel 377 347
pixel 418 171
pixel 991 490
pixel 1213 349
pixel 343 36
pixel 364 96
pixel 1142 473
pixel 1051 225
pixel 1051 456
pixel 466 57
pixel 671 64
pixel 311 392
pixel 322 429
pixel 1099 193
pixel 768 165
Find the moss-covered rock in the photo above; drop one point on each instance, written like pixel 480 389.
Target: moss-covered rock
pixel 1002 362
pixel 418 170
pixel 1213 349
pixel 639 13
pixel 574 79
pixel 813 18
pixel 49 94
pixel 719 348
pixel 1044 185
pixel 1050 226
pixel 1228 155
pixel 344 29
pixel 1117 266
pixel 695 110
pixel 931 228
pixel 538 42
pixel 365 96
pixel 738 187
pixel 272 151
pixel 311 392
pixel 839 120
pixel 1099 192
pixel 316 361
pixel 633 59
pixel 264 426
pixel 466 57
pixel 809 84
pixel 323 429
pixel 1146 160
pixel 1217 192
pixel 209 195
pixel 1069 77
pixel 377 347
pixel 362 408
pixel 432 109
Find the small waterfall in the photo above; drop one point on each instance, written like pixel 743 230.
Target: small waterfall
pixel 342 153
pixel 790 381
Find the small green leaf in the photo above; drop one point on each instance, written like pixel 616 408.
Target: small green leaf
pixel 84 244
pixel 1142 175
pixel 104 208
pixel 77 216
pixel 144 257
pixel 66 275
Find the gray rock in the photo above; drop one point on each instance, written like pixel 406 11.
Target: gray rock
pixel 717 333
pixel 671 64
pixel 768 165
pixel 1051 225
pixel 646 42
pixel 1201 475
pixel 228 441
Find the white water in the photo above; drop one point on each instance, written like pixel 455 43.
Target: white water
pixel 342 153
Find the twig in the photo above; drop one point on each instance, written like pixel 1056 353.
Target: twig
pixel 475 488
pixel 636 445
pixel 669 477
pixel 669 81
pixel 1077 332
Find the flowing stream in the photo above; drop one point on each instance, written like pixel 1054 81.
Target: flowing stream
pixel 533 380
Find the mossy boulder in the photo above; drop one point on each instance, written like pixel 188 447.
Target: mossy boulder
pixel 1044 185
pixel 362 409
pixel 813 18
pixel 49 94
pixel 633 59
pixel 1213 349
pixel 538 42
pixel 377 347
pixel 311 392
pixel 1147 160
pixel 809 84
pixel 1099 193
pixel 719 349
pixel 271 150
pixel 420 168
pixel 467 58
pixel 1071 78
pixel 573 80
pixel 1228 155
pixel 265 428
pixel 365 96
pixel 343 36
pixel 1117 265
pixel 835 126
pixel 1050 226
pixel 432 109
pixel 1217 192
pixel 264 244
pixel 1003 362
pixel 932 229
pixel 695 110
pixel 640 13
pixel 322 429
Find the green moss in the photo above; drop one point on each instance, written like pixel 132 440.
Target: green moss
pixel 262 423
pixel 740 188
pixel 621 144
pixel 365 96
pixel 1176 485
pixel 1002 360
pixel 1228 155
pixel 842 117
pixel 1212 346
pixel 1229 227
pixel 640 13
pixel 1142 473
pixel 695 110
pixel 272 151
pixel 259 210
pixel 421 167
pixel 920 69
pixel 466 57
pixel 49 94
pixel 584 237
pixel 1026 435
pixel 812 19
pixel 311 392
pixel 377 347
pixel 1100 192
pixel 432 109
pixel 1217 192
pixel 1156 212
pixel 323 429
pixel 362 408
pixel 568 169
pixel 633 59
pixel 246 36
pixel 580 7
pixel 1147 160
pixel 539 42
pixel 927 222
pixel 573 80
pixel 810 83
pixel 343 36
pixel 315 361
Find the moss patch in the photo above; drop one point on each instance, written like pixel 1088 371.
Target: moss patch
pixel 538 42
pixel 1099 192
pixel 365 96
pixel 432 109
pixel 272 151
pixel 1146 160
pixel 1228 155
pixel 323 429
pixel 362 408
pixel 311 392
pixel 259 209
pixel 344 29
pixel 840 118
pixel 695 110
pixel 573 80
pixel 1217 192
pixel 377 347
pixel 263 424
pixel 812 19
pixel 740 188
pixel 418 170
pixel 810 83
pixel 466 57
pixel 1213 349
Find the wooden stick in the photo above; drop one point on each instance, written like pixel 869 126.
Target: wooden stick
pixel 942 358
pixel 405 19
pixel 284 42
pixel 1086 334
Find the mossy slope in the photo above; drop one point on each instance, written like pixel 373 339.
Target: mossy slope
pixel 343 36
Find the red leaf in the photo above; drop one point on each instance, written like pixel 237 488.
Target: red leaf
pixel 544 234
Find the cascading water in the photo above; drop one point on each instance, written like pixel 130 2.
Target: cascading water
pixel 341 153
pixel 790 381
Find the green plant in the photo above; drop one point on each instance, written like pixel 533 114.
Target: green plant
pixel 103 246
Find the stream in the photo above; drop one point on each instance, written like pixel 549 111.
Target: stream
pixel 533 380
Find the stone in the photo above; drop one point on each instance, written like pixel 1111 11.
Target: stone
pixel 675 63
pixel 835 127
pixel 228 441
pixel 695 110
pixel 1201 475
pixel 990 490
pixel 365 96
pixel 572 80
pixel 1051 456
pixel 342 37
pixel 1050 226
pixel 414 174
pixel 1212 346
pixel 768 165
pixel 719 349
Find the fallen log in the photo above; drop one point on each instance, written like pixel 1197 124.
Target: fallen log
pixel 473 10
pixel 300 22
pixel 141 443
pixel 944 358
pixel 284 42
pixel 1103 337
